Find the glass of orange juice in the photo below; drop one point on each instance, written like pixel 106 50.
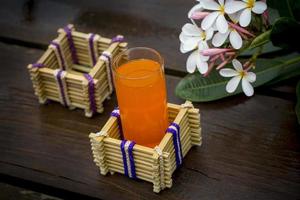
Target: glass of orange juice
pixel 141 92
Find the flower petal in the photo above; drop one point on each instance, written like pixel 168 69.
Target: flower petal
pixel 210 5
pixel 197 7
pixel 202 66
pixel 222 24
pixel 235 17
pixel 204 58
pixel 235 39
pixel 191 30
pixel 247 87
pixel 214 27
pixel 250 76
pixel 209 20
pixel 191 43
pixel 227 72
pixel 245 17
pixel 192 62
pixel 221 2
pixel 202 46
pixel 219 39
pixel 183 37
pixel 233 84
pixel 234 6
pixel 209 33
pixel 237 65
pixel 182 49
pixel 259 7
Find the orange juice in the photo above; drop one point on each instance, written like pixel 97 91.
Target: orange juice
pixel 141 92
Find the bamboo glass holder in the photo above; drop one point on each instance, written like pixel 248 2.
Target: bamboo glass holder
pixel 76 87
pixel 155 165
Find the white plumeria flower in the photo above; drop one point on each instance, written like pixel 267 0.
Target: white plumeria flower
pixel 217 17
pixel 234 38
pixel 245 7
pixel 239 74
pixel 195 61
pixel 191 35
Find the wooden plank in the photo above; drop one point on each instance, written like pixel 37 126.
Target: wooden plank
pixel 243 154
pixel 140 31
pixel 250 145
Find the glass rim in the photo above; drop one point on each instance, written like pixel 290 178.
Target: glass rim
pixel 119 56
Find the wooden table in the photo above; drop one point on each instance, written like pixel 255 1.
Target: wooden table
pixel 250 145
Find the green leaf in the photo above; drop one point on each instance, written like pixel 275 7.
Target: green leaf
pixel 260 40
pixel 285 33
pixel 297 108
pixel 196 88
pixel 284 7
pixel 273 15
pixel 267 49
pixel 289 72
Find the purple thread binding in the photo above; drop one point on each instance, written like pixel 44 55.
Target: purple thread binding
pixel 59 54
pixel 61 87
pixel 178 135
pixel 175 145
pixel 118 38
pixel 115 114
pixel 38 65
pixel 131 159
pixel 91 46
pixel 176 140
pixel 110 66
pixel 91 89
pixel 108 58
pixel 71 44
pixel 124 157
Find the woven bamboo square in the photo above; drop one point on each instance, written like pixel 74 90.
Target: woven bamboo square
pixel 75 70
pixel 155 165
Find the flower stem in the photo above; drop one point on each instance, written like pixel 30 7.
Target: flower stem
pixel 251 62
pixel 210 67
pixel 241 30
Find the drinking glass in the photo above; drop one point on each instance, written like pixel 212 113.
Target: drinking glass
pixel 141 92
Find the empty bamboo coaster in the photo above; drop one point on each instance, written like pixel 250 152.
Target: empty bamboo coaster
pixel 76 70
pixel 156 165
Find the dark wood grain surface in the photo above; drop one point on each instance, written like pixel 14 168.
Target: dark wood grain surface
pixel 250 145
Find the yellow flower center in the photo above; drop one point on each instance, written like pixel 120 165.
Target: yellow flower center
pixel 250 3
pixel 203 35
pixel 242 73
pixel 222 9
